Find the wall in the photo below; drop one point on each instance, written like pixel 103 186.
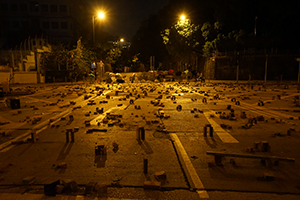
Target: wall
pixel 24 77
pixel 4 76
pixel 21 77
pixel 278 65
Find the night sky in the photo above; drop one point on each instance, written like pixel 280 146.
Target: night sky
pixel 125 17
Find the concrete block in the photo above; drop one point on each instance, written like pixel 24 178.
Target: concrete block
pixel 33 136
pixel 160 175
pixel 100 150
pixel 291 131
pixel 268 176
pixel 101 188
pixel 59 189
pixel 70 184
pixel 62 165
pixel 28 180
pixel 90 187
pixel 153 185
pixel 179 108
pixel 145 166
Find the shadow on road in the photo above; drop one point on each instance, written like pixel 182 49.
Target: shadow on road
pixel 212 143
pixel 100 160
pixel 145 145
pixel 65 151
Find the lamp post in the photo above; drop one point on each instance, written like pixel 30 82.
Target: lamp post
pixel 182 17
pixel 100 15
pixel 120 42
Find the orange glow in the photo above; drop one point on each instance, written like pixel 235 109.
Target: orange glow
pixel 182 17
pixel 101 15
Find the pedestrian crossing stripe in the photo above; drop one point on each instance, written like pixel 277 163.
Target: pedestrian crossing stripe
pixel 223 135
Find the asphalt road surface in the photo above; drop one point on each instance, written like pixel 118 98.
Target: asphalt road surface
pixel 153 141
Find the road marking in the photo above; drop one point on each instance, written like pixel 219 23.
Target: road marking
pixel 203 194
pixel 100 117
pixel 223 135
pixel 190 168
pixel 43 125
pixel 266 111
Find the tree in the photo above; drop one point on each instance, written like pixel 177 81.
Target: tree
pixel 113 55
pixel 148 42
pixel 71 63
pixel 181 40
pixel 216 40
pixel 81 58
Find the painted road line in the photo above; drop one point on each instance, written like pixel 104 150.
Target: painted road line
pixel 42 126
pixel 79 197
pixel 267 111
pixel 101 117
pixel 189 167
pixel 223 135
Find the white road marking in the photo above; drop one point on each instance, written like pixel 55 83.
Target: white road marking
pixel 203 194
pixel 266 111
pixel 42 126
pixel 100 117
pixel 79 197
pixel 223 135
pixel 190 168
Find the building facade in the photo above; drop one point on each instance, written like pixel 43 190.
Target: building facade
pixel 57 20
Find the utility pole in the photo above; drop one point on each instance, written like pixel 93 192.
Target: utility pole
pixel 237 67
pixel 298 59
pixel 93 21
pixel 266 68
pixel 255 26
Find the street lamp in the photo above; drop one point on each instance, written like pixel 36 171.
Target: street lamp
pixel 100 15
pixel 121 41
pixel 183 20
pixel 182 17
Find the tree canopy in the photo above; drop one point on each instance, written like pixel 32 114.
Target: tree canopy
pixel 220 25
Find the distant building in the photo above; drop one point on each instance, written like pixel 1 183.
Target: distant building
pixel 56 20
pixel 120 44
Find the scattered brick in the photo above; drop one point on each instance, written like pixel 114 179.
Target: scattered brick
pixel 153 185
pixel 28 180
pixel 59 189
pixel 160 175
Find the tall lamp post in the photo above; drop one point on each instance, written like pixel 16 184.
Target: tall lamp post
pixel 100 15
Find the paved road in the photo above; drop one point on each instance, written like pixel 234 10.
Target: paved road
pixel 174 140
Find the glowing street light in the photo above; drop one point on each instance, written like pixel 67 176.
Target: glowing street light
pixel 182 17
pixel 183 20
pixel 101 16
pixel 121 41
